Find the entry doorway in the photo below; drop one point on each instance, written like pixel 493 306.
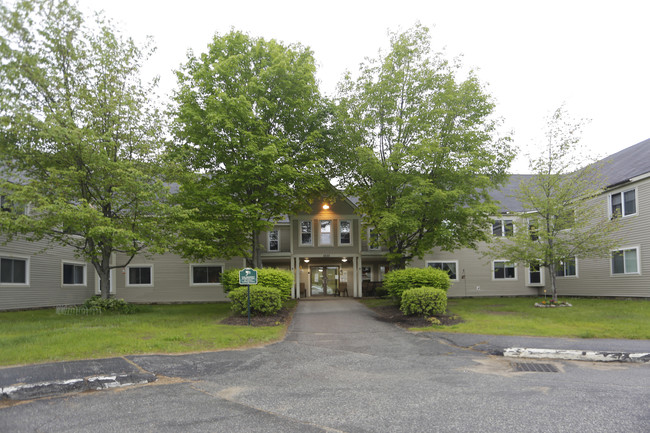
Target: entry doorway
pixel 324 280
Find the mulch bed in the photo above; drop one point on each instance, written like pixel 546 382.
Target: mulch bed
pixel 392 314
pixel 283 316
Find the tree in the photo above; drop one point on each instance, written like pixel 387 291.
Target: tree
pixel 424 152
pixel 80 136
pixel 252 142
pixel 563 216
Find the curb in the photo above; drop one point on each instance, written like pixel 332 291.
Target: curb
pixel 47 389
pixel 576 355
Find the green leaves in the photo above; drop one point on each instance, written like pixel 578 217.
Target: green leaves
pixel 426 151
pixel 81 136
pixel 248 116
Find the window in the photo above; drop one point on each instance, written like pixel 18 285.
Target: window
pixel 566 268
pixel 625 261
pixel 623 203
pixel 504 270
pixel 140 275
pixel 14 270
pixel 345 230
pixel 325 232
pixel 274 240
pixel 450 267
pixel 366 273
pixel 503 228
pixel 74 274
pixel 8 206
pixel 305 233
pixel 533 229
pixel 535 274
pixel 373 239
pixel 206 274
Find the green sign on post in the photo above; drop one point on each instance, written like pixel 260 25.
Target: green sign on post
pixel 248 277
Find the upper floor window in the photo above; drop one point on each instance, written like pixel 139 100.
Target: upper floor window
pixel 8 206
pixel 140 275
pixel 274 240
pixel 325 232
pixel 345 232
pixel 206 274
pixel 450 267
pixel 305 233
pixel 625 261
pixel 566 268
pixel 74 274
pixel 503 228
pixel 13 270
pixel 623 203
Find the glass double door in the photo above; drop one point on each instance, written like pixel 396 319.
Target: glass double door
pixel 324 280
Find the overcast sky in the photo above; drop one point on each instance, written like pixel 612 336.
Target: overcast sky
pixel 594 56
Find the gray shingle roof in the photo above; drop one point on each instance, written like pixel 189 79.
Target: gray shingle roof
pixel 626 164
pixel 504 195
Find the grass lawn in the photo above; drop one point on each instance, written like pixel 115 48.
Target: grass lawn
pixel 43 336
pixel 588 318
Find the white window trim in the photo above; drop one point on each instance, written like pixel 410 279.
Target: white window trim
pixel 300 242
pixel 27 269
pixel 268 241
pixel 351 243
pixel 503 227
pixel 320 233
pixel 575 258
pixel 127 278
pixel 370 247
pixel 622 193
pixel 447 261
pixel 504 279
pixel 75 263
pixel 542 277
pixel 638 261
pixel 192 283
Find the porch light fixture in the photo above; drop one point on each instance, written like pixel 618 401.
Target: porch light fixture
pixel 344 259
pixel 307 260
pixel 326 206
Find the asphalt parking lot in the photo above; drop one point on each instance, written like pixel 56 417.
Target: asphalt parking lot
pixel 341 370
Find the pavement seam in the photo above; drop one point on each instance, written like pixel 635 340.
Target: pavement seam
pixel 274 414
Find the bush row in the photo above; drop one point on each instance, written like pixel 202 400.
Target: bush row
pixel 109 305
pixel 424 301
pixel 396 282
pixel 267 277
pixel 265 301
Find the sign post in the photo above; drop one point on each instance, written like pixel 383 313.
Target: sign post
pixel 248 277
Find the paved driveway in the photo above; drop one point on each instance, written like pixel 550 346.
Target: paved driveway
pixel 341 370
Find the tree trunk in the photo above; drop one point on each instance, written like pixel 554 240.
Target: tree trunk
pixel 104 271
pixel 551 270
pixel 255 260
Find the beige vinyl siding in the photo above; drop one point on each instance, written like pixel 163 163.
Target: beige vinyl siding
pixel 594 275
pixel 478 275
pixel 45 288
pixel 171 281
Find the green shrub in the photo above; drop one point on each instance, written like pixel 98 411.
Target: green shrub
pixel 268 277
pixel 265 301
pixel 109 305
pixel 396 282
pixel 424 301
pixel 230 279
